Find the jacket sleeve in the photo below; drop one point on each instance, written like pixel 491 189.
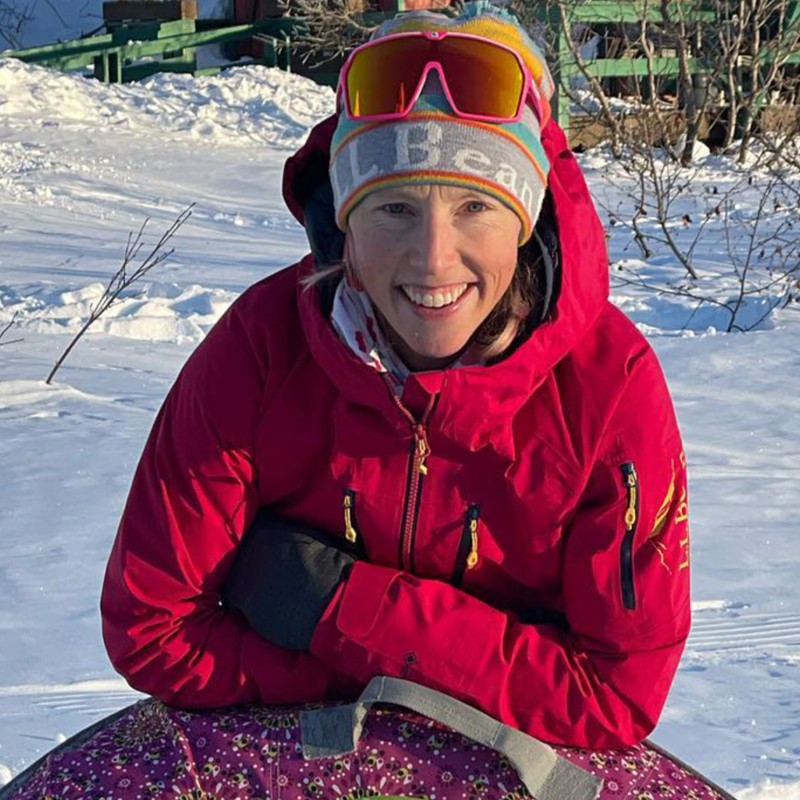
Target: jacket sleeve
pixel 625 581
pixel 193 494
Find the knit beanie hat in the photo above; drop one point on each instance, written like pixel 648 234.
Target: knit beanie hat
pixel 433 145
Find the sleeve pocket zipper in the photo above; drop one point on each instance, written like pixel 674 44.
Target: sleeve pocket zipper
pixel 631 482
pixel 467 557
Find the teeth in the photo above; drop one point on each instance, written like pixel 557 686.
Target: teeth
pixel 431 299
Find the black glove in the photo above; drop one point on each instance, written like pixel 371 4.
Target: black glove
pixel 283 578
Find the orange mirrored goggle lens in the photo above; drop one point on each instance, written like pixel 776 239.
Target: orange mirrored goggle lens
pixel 483 79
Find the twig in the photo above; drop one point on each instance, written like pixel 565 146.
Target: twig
pixel 6 329
pixel 13 21
pixel 122 279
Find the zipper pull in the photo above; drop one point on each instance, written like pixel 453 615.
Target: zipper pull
pixel 472 558
pixel 467 553
pixel 349 531
pixel 632 482
pixel 423 449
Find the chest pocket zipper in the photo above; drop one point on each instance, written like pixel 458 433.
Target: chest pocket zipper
pixel 355 541
pixel 631 481
pixel 467 557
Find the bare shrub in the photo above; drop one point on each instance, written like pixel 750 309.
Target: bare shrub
pixel 758 244
pixel 332 27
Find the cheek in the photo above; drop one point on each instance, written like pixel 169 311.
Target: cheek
pixel 372 251
pixel 373 256
pixel 500 270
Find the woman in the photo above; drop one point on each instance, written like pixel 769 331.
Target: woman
pixel 459 460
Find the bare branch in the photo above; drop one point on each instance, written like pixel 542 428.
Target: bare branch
pixel 122 278
pixel 14 18
pixel 332 27
pixel 6 329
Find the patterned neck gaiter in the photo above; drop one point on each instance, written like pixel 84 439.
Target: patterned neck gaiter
pixel 354 319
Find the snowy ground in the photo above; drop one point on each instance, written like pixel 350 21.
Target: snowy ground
pixel 83 164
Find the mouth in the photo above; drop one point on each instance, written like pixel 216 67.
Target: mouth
pixel 434 297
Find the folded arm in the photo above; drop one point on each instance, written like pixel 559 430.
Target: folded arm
pixel 604 682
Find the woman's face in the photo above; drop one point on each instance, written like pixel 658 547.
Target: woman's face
pixel 435 260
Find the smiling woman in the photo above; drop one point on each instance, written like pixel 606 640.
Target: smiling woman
pixel 447 459
pixel 461 430
pixel 435 262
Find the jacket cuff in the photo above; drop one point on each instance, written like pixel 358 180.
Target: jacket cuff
pixel 350 616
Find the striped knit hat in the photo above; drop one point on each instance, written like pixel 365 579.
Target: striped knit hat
pixel 433 145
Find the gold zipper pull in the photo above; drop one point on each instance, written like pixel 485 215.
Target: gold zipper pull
pixel 349 531
pixel 423 450
pixel 472 558
pixel 633 487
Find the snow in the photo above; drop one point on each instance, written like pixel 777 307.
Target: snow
pixel 82 165
pixel 771 791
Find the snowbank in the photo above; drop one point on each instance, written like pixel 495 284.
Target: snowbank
pixel 248 105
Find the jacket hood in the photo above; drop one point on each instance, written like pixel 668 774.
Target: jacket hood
pixel 582 258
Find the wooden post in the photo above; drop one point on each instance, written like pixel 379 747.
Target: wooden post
pixel 119 13
pixel 114 67
pixel 108 67
pixel 286 62
pixel 101 67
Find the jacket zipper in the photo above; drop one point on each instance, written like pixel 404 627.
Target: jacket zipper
pixel 417 470
pixel 631 481
pixel 467 557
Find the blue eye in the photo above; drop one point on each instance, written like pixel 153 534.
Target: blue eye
pixel 476 205
pixel 395 208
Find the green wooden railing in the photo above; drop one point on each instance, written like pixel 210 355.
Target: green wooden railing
pixel 134 51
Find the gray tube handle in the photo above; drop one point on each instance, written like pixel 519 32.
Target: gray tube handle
pixel 335 730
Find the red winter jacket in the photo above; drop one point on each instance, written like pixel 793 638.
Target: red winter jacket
pixel 538 569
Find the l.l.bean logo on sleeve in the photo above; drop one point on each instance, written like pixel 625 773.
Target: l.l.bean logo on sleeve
pixel 675 509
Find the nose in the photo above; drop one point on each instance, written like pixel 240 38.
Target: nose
pixel 435 246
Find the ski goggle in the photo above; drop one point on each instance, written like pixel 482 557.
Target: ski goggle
pixel 482 79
